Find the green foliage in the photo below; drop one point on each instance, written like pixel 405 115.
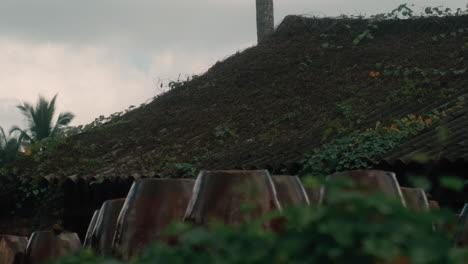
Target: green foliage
pixel 348 118
pixel 362 149
pixel 453 34
pixel 329 41
pixel 392 70
pixel 453 183
pixel 349 113
pixel 412 90
pixel 222 133
pixel 404 11
pixel 9 148
pixel 39 118
pixel 442 11
pixel 113 119
pixel 182 170
pixel 352 228
pixel 45 199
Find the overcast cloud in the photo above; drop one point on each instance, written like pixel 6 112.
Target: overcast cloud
pixel 102 56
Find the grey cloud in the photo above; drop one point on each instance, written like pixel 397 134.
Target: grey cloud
pixel 158 24
pixel 144 24
pixel 9 114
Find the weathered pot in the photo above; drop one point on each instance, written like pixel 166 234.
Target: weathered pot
pixel 151 206
pixel 397 260
pixel 434 205
pixel 461 239
pixel 370 181
pixel 415 198
pixel 315 194
pixel 232 197
pixel 104 229
pixel 12 249
pixel 289 190
pixel 89 232
pixel 48 245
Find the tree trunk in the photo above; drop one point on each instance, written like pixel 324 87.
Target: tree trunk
pixel 265 18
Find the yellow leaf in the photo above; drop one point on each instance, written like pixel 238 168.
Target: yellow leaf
pixel 27 151
pixel 428 121
pixel 394 127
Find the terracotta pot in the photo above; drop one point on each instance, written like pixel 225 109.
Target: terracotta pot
pixel 289 190
pixel 48 245
pixel 461 239
pixel 370 181
pixel 434 205
pixel 415 198
pixel 315 194
pixel 397 260
pixel 89 232
pixel 232 197
pixel 12 249
pixel 104 229
pixel 151 206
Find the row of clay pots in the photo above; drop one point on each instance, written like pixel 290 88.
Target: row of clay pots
pixel 368 181
pixel 126 228
pixel 152 205
pixel 41 246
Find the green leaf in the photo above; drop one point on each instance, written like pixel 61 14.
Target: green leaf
pixel 453 183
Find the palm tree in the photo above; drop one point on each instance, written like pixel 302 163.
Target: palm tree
pixel 265 18
pixel 40 118
pixel 9 148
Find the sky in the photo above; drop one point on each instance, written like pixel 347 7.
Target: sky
pixel 101 56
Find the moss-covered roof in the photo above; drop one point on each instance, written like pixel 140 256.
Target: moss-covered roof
pixel 267 105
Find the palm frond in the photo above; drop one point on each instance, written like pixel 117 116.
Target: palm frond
pixel 44 114
pixel 23 134
pixel 40 119
pixel 63 120
pixel 3 138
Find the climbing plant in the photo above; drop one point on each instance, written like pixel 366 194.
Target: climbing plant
pixel 363 149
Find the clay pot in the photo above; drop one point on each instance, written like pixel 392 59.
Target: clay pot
pixel 104 229
pixel 289 190
pixel 315 194
pixel 397 260
pixel 232 197
pixel 151 206
pixel 415 199
pixel 89 232
pixel 461 239
pixel 434 205
pixel 48 245
pixel 370 181
pixel 12 249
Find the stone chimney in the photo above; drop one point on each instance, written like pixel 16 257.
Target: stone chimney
pixel 265 18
